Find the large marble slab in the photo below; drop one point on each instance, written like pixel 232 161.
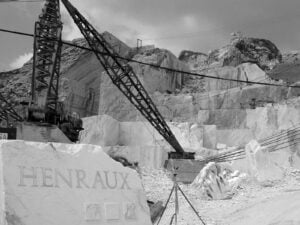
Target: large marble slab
pixel 55 184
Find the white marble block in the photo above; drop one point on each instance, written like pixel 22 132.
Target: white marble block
pixel 67 184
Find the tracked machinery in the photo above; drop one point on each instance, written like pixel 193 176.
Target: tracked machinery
pixel 44 105
pixel 43 117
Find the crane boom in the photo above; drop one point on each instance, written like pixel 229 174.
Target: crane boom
pixel 123 76
pixel 7 111
pixel 46 63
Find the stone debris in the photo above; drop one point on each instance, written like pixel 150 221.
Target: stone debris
pixel 218 181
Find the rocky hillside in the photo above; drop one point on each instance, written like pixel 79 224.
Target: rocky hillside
pixel 82 76
pixel 87 90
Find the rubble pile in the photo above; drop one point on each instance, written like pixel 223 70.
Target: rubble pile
pixel 218 181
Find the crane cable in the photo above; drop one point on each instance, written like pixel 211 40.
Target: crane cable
pixel 152 65
pixel 16 1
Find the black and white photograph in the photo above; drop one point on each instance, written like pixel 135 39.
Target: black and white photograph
pixel 149 112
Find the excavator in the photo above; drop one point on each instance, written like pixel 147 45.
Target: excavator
pixel 44 109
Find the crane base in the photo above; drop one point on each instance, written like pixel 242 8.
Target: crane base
pixel 181 155
pixel 185 170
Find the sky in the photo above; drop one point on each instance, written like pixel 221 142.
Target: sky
pixel 197 25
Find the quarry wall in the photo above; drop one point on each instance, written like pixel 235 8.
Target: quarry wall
pixel 139 141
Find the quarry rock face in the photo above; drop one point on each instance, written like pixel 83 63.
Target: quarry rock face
pixel 155 79
pixel 48 183
pixel 246 49
pixel 139 141
pixel 243 72
pixel 288 72
pixel 291 57
pixel 100 130
pixel 112 102
pixel 195 60
pixel 87 90
pixel 81 82
pixel 105 131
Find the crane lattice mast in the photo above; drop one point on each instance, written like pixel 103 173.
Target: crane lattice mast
pixel 46 63
pixel 123 76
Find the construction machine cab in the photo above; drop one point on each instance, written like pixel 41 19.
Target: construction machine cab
pixel 71 127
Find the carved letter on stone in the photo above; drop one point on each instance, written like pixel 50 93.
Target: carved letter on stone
pixel 80 174
pixel 47 177
pixel 107 180
pixel 32 176
pixel 130 211
pixel 124 178
pixel 98 179
pixel 112 211
pixel 92 212
pixel 66 181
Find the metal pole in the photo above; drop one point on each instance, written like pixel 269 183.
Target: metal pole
pixel 196 212
pixel 176 198
pixel 166 205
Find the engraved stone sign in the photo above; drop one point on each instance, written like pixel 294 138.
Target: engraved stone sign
pixel 53 183
pixel 112 211
pixel 130 211
pixel 3 136
pixel 93 212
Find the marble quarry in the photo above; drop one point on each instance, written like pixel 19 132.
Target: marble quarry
pixel 230 128
pixel 138 141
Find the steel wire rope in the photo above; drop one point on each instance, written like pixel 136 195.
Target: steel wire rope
pixel 282 138
pixel 154 65
pixel 240 153
pixel 20 1
pixel 281 133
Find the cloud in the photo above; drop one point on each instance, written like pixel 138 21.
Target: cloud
pixel 191 24
pixel 20 61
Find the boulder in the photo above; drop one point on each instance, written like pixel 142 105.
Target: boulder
pixel 100 130
pixel 49 183
pixel 218 181
pixel 210 136
pixel 260 164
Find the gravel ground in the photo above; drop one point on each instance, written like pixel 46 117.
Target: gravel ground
pixel 271 204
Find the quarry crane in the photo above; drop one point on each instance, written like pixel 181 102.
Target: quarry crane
pixel 43 106
pixel 46 64
pixel 123 77
pixel 44 109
